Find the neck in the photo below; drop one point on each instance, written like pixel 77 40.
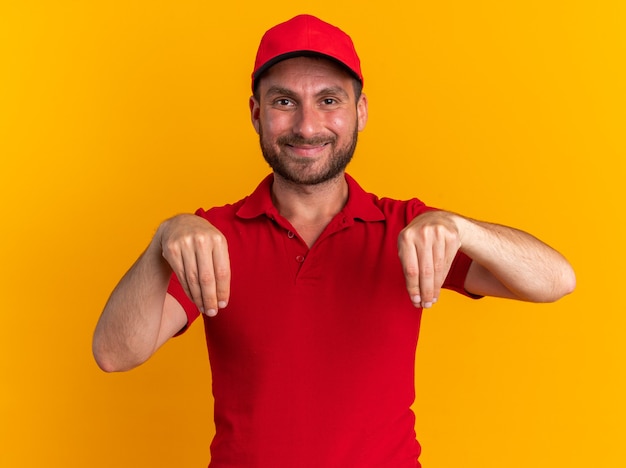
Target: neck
pixel 309 208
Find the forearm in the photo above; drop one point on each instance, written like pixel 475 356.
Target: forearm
pixel 128 330
pixel 527 268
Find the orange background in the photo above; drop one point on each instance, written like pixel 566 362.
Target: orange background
pixel 115 115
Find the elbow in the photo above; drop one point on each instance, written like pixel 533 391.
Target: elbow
pixel 564 284
pixel 557 284
pixel 568 281
pixel 109 364
pixel 106 365
pixel 109 361
pixel 105 361
pixel 104 358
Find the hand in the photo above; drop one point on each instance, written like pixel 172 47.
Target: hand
pixel 427 247
pixel 197 252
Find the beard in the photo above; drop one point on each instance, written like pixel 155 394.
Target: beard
pixel 302 170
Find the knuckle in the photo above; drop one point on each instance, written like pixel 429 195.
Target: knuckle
pixel 198 240
pixel 169 249
pixel 222 273
pixel 206 279
pixel 217 237
pixel 405 236
pixel 180 274
pixel 438 266
pixel 412 272
pixel 192 277
pixel 207 239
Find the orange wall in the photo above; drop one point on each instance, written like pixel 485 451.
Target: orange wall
pixel 115 115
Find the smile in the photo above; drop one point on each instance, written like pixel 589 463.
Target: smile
pixel 307 150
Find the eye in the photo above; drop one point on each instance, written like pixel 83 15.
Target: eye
pixel 283 102
pixel 329 101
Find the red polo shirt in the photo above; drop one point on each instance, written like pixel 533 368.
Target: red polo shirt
pixel 313 359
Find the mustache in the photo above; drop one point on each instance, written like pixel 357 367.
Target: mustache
pixel 295 140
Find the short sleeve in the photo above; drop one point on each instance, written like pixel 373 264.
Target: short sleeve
pixel 176 290
pixel 455 280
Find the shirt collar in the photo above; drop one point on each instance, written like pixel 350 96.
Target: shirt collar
pixel 360 205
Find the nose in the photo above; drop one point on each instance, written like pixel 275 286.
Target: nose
pixel 308 121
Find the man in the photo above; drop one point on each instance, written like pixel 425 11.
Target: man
pixel 319 285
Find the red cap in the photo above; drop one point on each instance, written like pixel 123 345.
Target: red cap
pixel 306 35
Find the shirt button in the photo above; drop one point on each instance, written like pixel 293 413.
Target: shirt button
pixel 290 234
pixel 299 258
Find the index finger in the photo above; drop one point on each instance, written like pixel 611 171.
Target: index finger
pixel 213 274
pixel 410 266
pixel 221 267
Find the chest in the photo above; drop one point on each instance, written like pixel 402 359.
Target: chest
pixel 346 292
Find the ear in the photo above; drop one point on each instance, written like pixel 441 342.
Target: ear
pixel 361 112
pixel 255 111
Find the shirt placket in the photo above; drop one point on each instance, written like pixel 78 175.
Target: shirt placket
pixel 297 250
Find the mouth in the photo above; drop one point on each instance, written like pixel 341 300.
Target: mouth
pixel 307 151
pixel 305 147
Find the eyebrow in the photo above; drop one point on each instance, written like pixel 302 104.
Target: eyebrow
pixel 334 90
pixel 276 90
pixel 331 90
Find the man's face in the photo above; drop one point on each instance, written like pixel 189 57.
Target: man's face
pixel 307 118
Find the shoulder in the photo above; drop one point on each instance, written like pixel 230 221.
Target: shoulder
pixel 363 202
pixel 255 205
pixel 223 212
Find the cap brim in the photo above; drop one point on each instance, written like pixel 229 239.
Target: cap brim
pixel 300 53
